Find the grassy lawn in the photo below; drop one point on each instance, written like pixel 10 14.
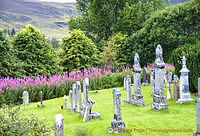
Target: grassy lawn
pixel 142 119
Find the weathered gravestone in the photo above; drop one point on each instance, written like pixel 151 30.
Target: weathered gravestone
pixel 128 89
pixel 41 103
pixel 159 100
pixel 25 98
pixel 65 101
pixel 74 90
pixel 87 104
pixel 117 123
pixel 145 81
pixel 168 82
pixel 185 94
pixel 71 101
pixel 124 83
pixel 137 96
pixel 152 80
pixel 78 96
pixel 198 111
pixel 176 88
pixel 59 125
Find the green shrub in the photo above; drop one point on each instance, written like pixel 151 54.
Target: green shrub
pixel 15 123
pixel 192 53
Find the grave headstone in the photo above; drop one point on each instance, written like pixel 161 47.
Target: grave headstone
pixel 41 102
pixel 74 89
pixel 128 88
pixel 65 101
pixel 85 90
pixel 137 96
pixel 78 96
pixel 117 123
pixel 71 100
pixel 159 100
pixel 145 81
pixel 25 98
pixel 185 94
pixel 169 77
pixel 168 80
pixel 198 111
pixel 152 79
pixel 124 83
pixel 176 88
pixel 199 87
pixel 86 107
pixel 59 125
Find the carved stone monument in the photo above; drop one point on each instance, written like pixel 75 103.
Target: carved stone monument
pixel 137 96
pixel 25 98
pixel 185 94
pixel 71 100
pixel 117 123
pixel 145 81
pixel 41 103
pixel 159 99
pixel 176 88
pixel 74 90
pixel 59 125
pixel 78 96
pixel 198 111
pixel 168 82
pixel 124 83
pixel 86 107
pixel 128 89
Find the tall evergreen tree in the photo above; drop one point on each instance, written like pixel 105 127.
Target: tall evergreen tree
pixel 31 48
pixel 13 32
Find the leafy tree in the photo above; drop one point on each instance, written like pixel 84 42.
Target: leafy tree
pixel 108 56
pixel 78 51
pixel 36 55
pixel 134 14
pixel 171 27
pixel 101 19
pixel 119 43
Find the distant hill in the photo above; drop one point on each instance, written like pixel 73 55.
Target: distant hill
pixel 49 18
pixel 174 2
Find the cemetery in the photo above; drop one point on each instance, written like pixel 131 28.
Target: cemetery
pixel 121 110
pixel 131 69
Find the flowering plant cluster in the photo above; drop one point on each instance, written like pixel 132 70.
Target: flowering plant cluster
pixel 57 80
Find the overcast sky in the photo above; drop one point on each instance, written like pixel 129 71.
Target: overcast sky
pixel 61 1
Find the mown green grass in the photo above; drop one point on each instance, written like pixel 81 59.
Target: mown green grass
pixel 178 116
